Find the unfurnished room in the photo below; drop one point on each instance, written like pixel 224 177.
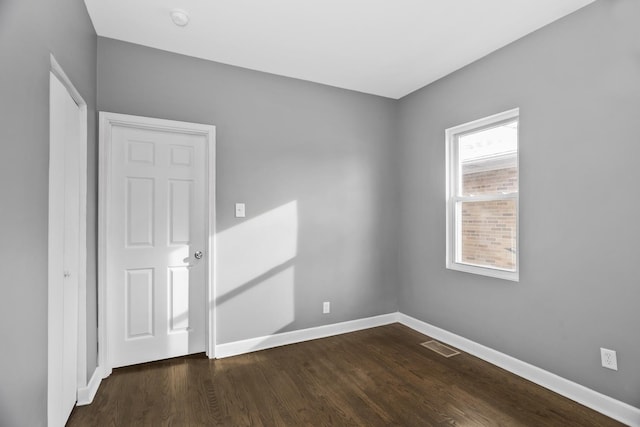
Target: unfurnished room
pixel 319 213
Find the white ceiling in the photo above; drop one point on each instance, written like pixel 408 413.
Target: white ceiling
pixel 383 47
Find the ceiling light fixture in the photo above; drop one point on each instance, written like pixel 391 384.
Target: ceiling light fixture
pixel 179 17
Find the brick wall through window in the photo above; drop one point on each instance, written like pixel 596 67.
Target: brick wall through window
pixel 488 229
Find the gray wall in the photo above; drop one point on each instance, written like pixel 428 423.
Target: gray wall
pixel 29 32
pixel 314 165
pixel 577 83
pixel 332 194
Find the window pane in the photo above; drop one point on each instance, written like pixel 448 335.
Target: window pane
pixel 495 181
pixel 488 160
pixel 488 234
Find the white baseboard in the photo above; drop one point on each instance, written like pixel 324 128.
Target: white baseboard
pixel 606 405
pixel 262 343
pixel 86 394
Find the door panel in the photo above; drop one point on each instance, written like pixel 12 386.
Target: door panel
pixel 139 212
pixel 180 212
pixel 71 262
pixel 179 298
pixel 156 305
pixel 64 253
pixel 139 303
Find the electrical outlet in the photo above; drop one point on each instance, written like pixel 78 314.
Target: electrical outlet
pixel 609 359
pixel 326 307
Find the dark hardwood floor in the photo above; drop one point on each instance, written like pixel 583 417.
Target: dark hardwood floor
pixel 376 377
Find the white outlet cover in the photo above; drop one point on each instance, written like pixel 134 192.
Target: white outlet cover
pixel 609 359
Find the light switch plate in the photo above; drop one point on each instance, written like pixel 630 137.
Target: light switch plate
pixel 240 210
pixel 326 307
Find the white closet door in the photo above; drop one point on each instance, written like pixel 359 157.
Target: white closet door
pixel 64 250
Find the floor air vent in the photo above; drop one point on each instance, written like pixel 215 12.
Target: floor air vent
pixel 440 348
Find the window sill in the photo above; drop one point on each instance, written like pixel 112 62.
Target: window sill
pixel 513 276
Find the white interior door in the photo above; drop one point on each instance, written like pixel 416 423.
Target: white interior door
pixel 64 252
pixel 156 240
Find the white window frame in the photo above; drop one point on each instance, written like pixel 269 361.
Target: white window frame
pixel 454 175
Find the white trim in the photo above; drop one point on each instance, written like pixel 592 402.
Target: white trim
pixel 57 70
pixel 262 343
pixel 62 77
pixel 86 394
pixel 104 159
pixel 485 121
pixel 211 244
pixel 453 175
pixel 107 121
pixel 606 405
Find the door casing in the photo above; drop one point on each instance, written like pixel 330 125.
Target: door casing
pixel 107 121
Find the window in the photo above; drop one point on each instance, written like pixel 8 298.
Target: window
pixel 482 196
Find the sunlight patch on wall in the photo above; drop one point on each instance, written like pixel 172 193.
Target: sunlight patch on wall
pixel 255 280
pixel 262 309
pixel 255 246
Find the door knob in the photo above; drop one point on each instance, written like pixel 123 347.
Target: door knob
pixel 198 254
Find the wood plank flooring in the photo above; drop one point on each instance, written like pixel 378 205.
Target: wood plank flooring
pixel 376 377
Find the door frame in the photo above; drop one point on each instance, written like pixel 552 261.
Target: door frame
pixel 107 121
pixel 56 70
